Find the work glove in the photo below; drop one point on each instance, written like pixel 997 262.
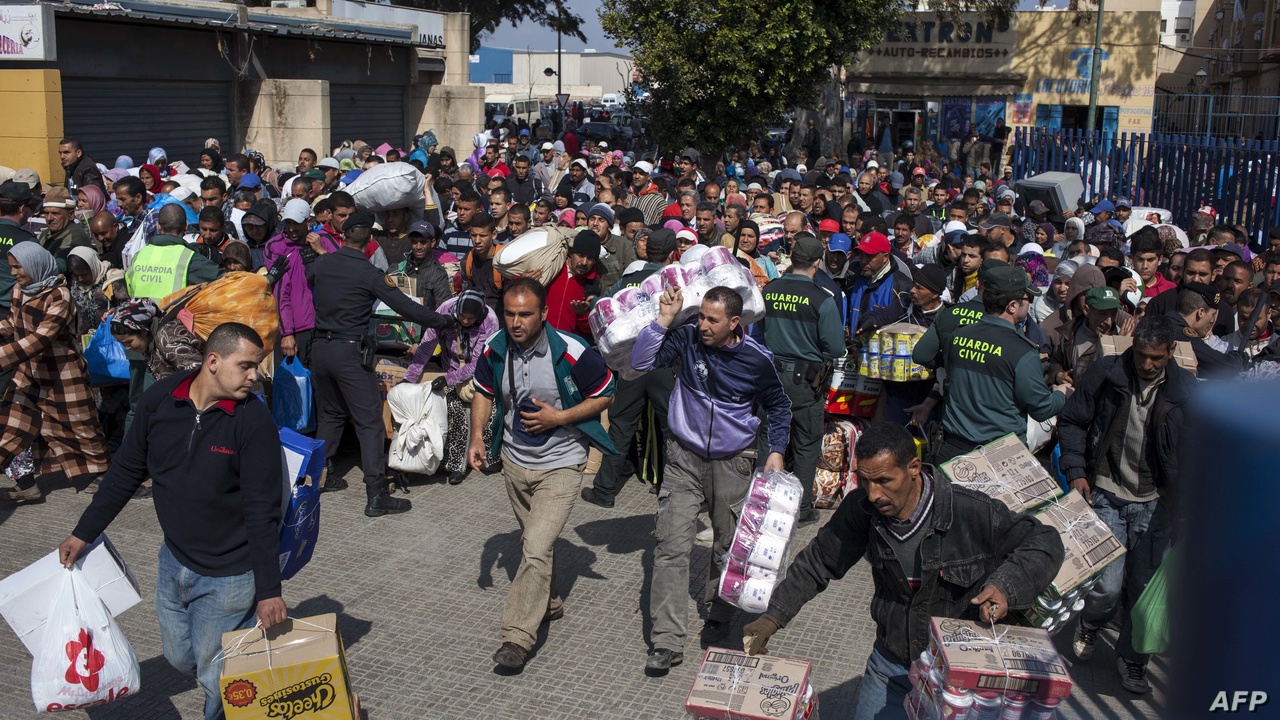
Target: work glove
pixel 755 636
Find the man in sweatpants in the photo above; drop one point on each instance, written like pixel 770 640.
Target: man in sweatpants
pixel 710 452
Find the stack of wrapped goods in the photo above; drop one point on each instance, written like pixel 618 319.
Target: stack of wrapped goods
pixel 998 672
pixel 887 354
pixel 1005 470
pixel 1090 546
pixel 617 321
pixel 837 471
pixel 732 685
pixel 756 559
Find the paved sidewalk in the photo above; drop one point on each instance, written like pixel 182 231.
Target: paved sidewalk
pixel 419 598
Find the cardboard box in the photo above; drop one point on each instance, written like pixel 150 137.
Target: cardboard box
pixel 732 685
pixel 1010 659
pixel 27 595
pixel 407 285
pixel 1089 543
pixel 1182 352
pixel 390 371
pixel 298 669
pixel 1007 471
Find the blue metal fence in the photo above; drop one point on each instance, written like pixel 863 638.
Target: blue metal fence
pixel 1179 173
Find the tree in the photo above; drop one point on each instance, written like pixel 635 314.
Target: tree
pixel 487 16
pixel 719 72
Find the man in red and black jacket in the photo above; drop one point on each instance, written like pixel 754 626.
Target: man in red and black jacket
pixel 213 452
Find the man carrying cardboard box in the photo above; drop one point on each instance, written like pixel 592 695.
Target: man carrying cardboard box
pixel 213 452
pixel 1121 433
pixel 936 550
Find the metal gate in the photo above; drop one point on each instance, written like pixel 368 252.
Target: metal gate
pixel 372 113
pixel 129 117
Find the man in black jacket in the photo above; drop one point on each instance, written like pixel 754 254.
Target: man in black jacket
pixel 213 452
pixel 80 168
pixel 936 550
pixel 1120 435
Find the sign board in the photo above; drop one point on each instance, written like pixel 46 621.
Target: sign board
pixel 562 99
pixel 26 33
pixel 927 43
pixel 430 24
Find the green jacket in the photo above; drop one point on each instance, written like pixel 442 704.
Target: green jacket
pixel 801 320
pixel 580 373
pixel 931 349
pixel 10 233
pixel 994 381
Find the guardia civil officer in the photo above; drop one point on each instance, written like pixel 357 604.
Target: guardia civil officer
pixel 994 376
pixel 632 398
pixel 346 286
pixel 802 327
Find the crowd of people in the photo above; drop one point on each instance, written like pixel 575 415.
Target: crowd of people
pixel 1017 298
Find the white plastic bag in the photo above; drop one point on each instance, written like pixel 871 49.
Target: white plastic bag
pixel 84 660
pixel 389 185
pixel 417 446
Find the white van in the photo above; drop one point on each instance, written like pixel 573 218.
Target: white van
pixel 611 102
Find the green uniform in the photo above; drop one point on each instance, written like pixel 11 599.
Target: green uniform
pixel 802 328
pixel 994 382
pixel 10 233
pixel 931 349
pixel 634 278
pixel 166 265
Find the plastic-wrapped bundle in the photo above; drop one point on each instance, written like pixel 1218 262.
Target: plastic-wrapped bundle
pixel 716 257
pixel 693 255
pixel 651 287
pixel 629 297
pixel 643 314
pixel 730 276
pixel 675 276
pixel 756 559
pixel 603 314
pixel 692 295
pixel 619 334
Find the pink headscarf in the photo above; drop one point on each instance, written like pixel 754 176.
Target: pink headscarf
pixel 97 199
pixel 568 218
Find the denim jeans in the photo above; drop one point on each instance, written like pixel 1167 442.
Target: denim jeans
pixel 1129 522
pixel 194 611
pixel 883 689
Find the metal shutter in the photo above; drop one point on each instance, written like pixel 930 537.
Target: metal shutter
pixel 372 113
pixel 129 117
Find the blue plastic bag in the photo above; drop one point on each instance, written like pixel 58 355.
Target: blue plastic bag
pixel 292 403
pixel 105 357
pixel 300 525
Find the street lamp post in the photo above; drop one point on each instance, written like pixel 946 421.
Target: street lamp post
pixel 1097 70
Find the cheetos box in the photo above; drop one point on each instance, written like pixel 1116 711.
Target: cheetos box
pixel 295 670
pixel 732 685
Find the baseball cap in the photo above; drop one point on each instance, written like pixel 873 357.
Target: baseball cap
pixel 314 174
pixel 692 155
pixel 602 145
pixel 873 243
pixel 547 146
pixel 28 176
pixel 872 164
pixel 955 237
pixel 249 181
pixel 661 241
pixel 1037 207
pixel 839 243
pixel 931 276
pixel 643 166
pixel 919 172
pixel 425 229
pixel 298 211
pixel 895 180
pixel 829 225
pixel 330 163
pixel 996 219
pixel 1205 210
pixel 1123 203
pixel 58 197
pixel 687 234
pixel 756 186
pixel 359 219
pixel 1206 291
pixel 524 132
pixel 1103 206
pixel 989 264
pixel 16 191
pixel 581 163
pixel 1232 248
pixel 953 225
pixel 1008 279
pixel 806 247
pixel 1103 297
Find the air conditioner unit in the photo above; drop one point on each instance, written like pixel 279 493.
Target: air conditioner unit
pixel 1184 37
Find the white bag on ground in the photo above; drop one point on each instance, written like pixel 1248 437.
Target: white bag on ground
pixel 84 659
pixel 539 254
pixel 389 185
pixel 417 446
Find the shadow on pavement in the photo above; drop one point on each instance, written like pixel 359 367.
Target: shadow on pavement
pixel 837 703
pixel 503 552
pixel 624 536
pixel 352 628
pixel 160 682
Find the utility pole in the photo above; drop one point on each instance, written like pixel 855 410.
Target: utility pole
pixel 1095 72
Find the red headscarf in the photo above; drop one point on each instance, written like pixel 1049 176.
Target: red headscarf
pixel 156 180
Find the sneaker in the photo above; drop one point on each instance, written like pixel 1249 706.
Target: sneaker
pixel 1133 676
pixel 807 517
pixel 706 536
pixel 553 615
pixel 1085 641
pixel 384 504
pixel 715 632
pixel 590 495
pixel 510 656
pixel 23 495
pixel 661 660
pixel 332 480
pixel 456 478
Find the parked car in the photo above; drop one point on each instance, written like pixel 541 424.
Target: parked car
pixel 606 131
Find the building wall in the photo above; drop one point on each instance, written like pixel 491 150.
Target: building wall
pixel 284 116
pixel 491 66
pixel 611 72
pixel 32 123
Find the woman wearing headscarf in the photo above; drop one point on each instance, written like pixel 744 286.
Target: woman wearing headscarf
pixel 1072 231
pixel 96 288
pixel 123 162
pixel 149 174
pixel 746 247
pixel 1055 297
pixel 92 199
pixel 168 346
pixel 48 405
pixel 460 348
pixel 160 159
pixel 211 161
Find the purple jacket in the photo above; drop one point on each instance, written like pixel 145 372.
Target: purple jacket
pixel 293 293
pixel 711 410
pixel 459 367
